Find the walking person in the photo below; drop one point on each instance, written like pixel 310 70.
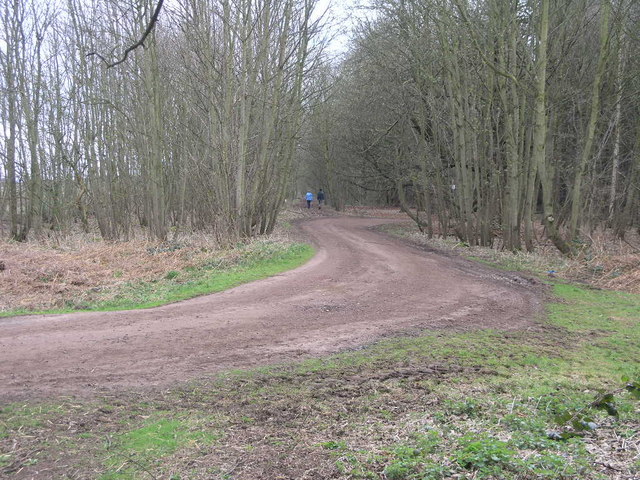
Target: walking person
pixel 309 198
pixel 320 197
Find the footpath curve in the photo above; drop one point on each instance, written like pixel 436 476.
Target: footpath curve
pixel 361 286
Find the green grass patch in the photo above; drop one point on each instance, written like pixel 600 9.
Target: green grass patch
pixel 255 264
pixel 251 262
pixel 16 416
pixel 144 448
pixel 586 309
pixel 607 327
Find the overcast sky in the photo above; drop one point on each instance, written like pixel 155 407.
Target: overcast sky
pixel 343 14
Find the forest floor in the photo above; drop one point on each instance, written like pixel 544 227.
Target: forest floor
pixel 604 261
pixel 451 369
pixel 360 287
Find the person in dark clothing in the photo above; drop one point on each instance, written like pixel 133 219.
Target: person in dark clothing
pixel 320 197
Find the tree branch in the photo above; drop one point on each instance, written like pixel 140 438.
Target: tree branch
pixel 480 51
pixel 139 43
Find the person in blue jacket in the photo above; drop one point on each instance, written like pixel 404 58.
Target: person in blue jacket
pixel 309 198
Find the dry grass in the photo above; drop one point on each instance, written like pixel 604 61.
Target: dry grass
pixel 41 276
pixel 378 212
pixel 604 261
pixel 50 271
pixel 609 262
pixel 48 274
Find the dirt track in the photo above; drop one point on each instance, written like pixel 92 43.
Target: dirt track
pixel 361 286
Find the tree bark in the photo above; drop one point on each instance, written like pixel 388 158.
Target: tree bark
pixel 540 133
pixel 576 196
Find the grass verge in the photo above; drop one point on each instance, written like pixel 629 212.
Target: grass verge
pixel 246 263
pixel 473 405
pixel 604 262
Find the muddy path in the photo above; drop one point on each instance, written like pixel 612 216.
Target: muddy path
pixel 362 285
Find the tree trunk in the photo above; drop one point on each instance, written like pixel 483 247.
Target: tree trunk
pixel 615 161
pixel 576 196
pixel 540 134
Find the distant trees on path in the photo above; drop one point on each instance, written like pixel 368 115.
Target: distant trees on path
pixel 481 117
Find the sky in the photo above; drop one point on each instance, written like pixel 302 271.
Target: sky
pixel 343 14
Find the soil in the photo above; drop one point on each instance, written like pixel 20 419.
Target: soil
pixel 361 286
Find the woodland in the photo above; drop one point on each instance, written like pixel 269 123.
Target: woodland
pixel 494 121
pixel 467 304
